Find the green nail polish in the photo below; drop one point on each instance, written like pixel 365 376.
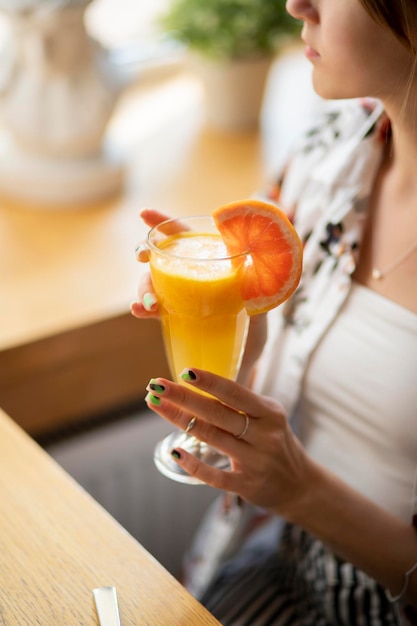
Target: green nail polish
pixel 155 386
pixel 188 375
pixel 153 399
pixel 175 454
pixel 149 301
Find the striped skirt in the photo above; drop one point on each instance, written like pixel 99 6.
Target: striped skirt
pixel 301 584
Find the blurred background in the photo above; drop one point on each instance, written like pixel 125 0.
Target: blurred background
pixel 104 111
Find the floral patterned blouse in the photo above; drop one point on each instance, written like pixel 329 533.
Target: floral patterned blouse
pixel 325 191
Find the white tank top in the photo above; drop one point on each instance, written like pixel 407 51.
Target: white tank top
pixel 358 409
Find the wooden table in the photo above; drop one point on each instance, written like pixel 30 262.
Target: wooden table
pixel 57 544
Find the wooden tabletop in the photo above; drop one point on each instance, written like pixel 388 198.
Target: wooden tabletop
pixel 57 544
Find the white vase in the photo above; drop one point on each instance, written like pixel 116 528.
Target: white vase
pixel 233 90
pixel 58 94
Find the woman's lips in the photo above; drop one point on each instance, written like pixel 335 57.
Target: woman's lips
pixel 310 52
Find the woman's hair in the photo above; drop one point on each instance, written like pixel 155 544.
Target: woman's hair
pixel 400 16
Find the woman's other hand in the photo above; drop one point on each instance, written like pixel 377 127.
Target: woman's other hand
pixel 146 305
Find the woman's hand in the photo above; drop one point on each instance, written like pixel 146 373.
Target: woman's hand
pixel 271 469
pixel 269 465
pixel 146 305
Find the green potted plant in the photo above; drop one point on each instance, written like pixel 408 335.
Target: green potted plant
pixel 234 42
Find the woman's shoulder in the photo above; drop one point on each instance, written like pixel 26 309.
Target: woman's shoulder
pixel 339 126
pixel 342 119
pixel 339 149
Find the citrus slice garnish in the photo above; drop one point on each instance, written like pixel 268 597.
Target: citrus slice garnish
pixel 274 251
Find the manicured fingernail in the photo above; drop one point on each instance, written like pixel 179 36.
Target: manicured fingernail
pixel 142 252
pixel 153 385
pixel 152 399
pixel 149 301
pixel 176 454
pixel 188 375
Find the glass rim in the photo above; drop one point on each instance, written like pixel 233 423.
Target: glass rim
pixel 153 247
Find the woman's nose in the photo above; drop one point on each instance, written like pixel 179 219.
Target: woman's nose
pixel 303 10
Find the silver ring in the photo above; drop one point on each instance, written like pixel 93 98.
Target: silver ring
pixel 191 424
pixel 245 428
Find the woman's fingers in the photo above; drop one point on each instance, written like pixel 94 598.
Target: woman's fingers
pixel 147 304
pixel 217 478
pixel 165 399
pixel 235 413
pixel 145 286
pixel 146 309
pixel 142 253
pixel 152 218
pixel 231 393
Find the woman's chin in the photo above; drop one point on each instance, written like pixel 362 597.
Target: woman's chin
pixel 329 90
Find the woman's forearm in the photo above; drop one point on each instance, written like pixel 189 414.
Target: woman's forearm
pixel 359 531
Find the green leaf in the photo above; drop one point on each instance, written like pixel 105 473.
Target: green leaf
pixel 229 28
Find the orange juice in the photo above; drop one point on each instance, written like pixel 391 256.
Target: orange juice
pixel 204 320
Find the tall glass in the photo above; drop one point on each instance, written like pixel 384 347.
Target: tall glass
pixel 204 321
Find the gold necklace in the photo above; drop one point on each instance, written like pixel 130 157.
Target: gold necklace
pixel 379 274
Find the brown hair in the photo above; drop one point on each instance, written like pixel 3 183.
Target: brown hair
pixel 400 16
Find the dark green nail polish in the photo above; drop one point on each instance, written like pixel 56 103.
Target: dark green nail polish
pixel 176 454
pixel 156 386
pixel 188 375
pixel 153 399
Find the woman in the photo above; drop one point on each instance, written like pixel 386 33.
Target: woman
pixel 340 358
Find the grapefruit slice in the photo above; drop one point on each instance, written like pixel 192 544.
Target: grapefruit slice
pixel 274 251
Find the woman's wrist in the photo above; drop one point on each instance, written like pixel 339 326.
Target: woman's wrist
pixel 357 530
pixel 303 507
